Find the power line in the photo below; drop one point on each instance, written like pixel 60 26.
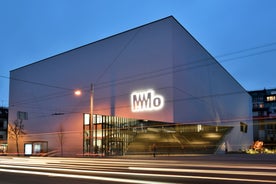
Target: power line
pixel 156 73
pixel 163 69
pixel 246 50
pixel 35 83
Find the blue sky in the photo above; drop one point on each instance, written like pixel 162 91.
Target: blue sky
pixel 240 34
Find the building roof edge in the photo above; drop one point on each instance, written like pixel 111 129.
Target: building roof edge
pixel 138 27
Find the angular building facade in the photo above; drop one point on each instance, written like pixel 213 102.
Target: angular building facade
pixel 154 78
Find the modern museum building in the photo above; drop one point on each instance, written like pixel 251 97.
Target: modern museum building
pixel 151 85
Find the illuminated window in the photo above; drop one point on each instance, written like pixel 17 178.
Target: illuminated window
pixel 37 148
pixel 97 119
pixel 86 119
pixel 270 98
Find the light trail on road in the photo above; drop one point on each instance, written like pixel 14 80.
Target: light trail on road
pixel 110 179
pixel 140 171
pixel 124 173
pixel 203 171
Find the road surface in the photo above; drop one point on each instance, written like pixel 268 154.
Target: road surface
pixel 206 169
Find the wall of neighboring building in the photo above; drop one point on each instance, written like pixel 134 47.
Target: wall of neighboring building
pixel 264 108
pixel 3 129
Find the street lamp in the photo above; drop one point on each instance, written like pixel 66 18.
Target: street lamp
pixel 91 118
pixel 91 126
pixel 78 92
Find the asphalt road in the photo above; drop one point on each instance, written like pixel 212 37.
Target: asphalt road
pixel 205 169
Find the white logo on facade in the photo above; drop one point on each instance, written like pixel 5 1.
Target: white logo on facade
pixel 146 100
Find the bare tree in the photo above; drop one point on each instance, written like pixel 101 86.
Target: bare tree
pixel 60 134
pixel 16 131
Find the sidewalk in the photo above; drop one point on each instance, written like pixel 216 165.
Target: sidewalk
pixel 268 158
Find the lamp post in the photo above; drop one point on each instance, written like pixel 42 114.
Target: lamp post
pixel 91 125
pixel 91 120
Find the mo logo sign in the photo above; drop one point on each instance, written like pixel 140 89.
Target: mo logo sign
pixel 146 100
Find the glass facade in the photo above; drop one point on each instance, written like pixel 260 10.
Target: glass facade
pixel 116 136
pixel 109 135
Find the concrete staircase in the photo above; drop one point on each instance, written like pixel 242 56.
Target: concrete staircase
pixel 171 142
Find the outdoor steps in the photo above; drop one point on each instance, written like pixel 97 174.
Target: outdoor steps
pixel 175 143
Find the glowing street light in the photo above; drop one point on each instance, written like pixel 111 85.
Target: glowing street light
pixel 78 92
pixel 91 126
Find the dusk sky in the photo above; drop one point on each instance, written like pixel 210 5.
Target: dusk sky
pixel 240 34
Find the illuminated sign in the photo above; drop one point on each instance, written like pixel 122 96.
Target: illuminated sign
pixel 28 149
pixel 146 100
